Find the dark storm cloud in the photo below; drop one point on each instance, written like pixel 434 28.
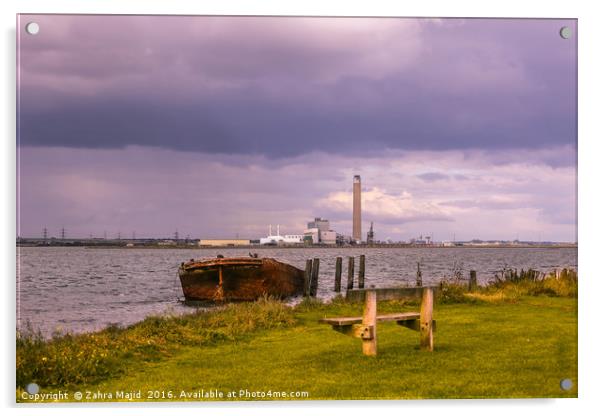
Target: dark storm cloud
pixel 287 86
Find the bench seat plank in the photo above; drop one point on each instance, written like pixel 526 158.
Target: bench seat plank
pixel 406 316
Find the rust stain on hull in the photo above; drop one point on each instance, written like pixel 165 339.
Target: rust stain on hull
pixel 239 279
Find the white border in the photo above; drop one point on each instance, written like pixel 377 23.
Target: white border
pixel 589 185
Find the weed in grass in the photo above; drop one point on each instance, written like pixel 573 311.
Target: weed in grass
pixel 310 303
pixel 533 283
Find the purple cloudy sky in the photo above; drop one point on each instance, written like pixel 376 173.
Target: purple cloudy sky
pixel 219 126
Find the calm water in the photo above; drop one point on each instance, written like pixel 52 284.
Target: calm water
pixel 79 289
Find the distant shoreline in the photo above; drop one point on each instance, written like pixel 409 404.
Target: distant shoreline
pixel 326 247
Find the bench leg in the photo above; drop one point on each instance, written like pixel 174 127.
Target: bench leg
pixel 426 320
pixel 369 320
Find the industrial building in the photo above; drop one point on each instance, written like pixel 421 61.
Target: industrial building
pixel 224 242
pixel 272 239
pixel 319 223
pixel 312 235
pixel 318 232
pixel 370 236
pixel 328 237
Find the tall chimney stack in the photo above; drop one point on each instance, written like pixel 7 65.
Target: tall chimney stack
pixel 357 208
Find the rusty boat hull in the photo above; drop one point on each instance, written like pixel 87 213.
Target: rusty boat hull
pixel 239 279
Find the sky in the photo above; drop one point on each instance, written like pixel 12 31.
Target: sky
pixel 219 126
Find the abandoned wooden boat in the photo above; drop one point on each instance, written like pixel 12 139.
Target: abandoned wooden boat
pixel 239 279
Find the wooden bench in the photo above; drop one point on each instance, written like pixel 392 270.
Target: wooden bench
pixel 364 327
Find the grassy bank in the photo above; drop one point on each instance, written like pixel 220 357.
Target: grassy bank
pixel 498 342
pixel 70 360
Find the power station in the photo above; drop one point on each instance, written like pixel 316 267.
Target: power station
pixel 357 209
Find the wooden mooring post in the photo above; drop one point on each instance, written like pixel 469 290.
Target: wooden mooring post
pixel 472 283
pixel 350 268
pixel 337 274
pixel 315 272
pixel 419 276
pixel 307 278
pixel 361 272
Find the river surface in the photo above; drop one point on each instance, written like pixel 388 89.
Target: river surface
pixel 70 289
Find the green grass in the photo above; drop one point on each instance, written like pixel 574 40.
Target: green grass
pixel 483 349
pixel 70 360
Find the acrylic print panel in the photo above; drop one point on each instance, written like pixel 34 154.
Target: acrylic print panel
pixel 237 208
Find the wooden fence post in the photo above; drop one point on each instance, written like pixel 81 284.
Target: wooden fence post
pixel 307 278
pixel 315 271
pixel 472 283
pixel 426 319
pixel 369 320
pixel 350 268
pixel 337 274
pixel 361 272
pixel 419 276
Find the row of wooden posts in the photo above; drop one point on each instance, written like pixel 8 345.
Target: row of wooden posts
pixel 312 273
